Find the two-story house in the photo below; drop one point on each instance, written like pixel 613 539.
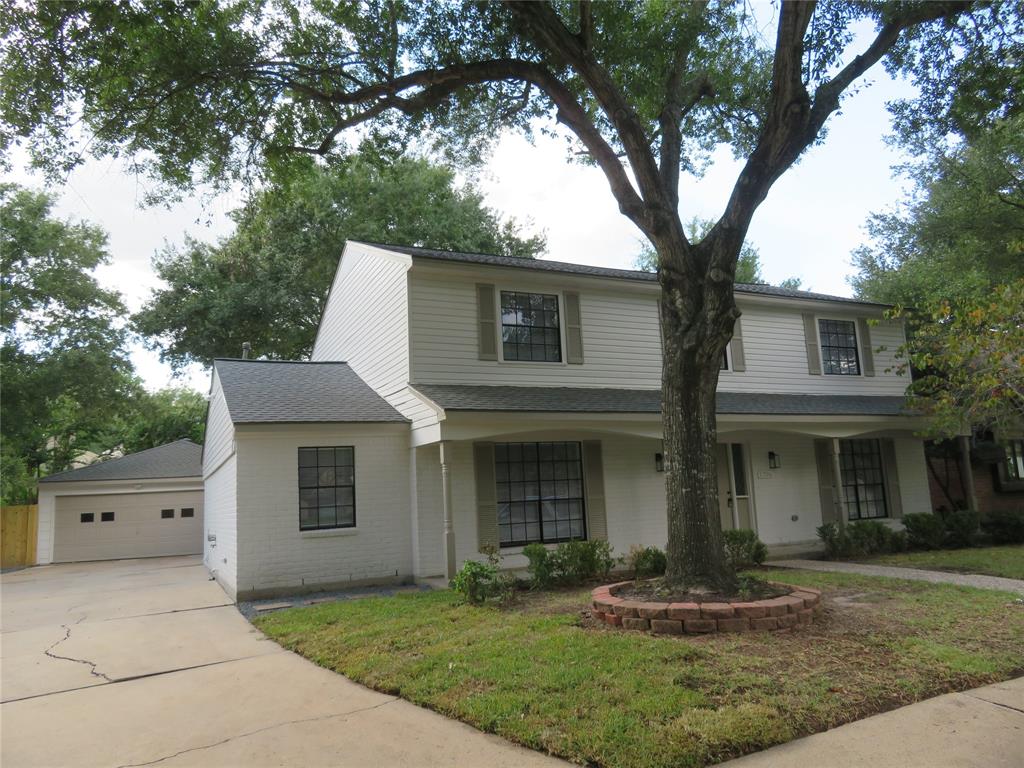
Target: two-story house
pixel 456 400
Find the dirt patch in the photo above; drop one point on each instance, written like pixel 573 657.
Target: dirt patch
pixel 656 590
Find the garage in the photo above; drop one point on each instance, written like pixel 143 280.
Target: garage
pixel 146 504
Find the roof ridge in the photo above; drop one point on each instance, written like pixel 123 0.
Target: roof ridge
pixel 293 362
pixel 115 459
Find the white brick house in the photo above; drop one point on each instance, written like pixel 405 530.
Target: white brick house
pixel 462 399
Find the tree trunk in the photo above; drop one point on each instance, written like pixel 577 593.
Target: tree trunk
pixel 696 322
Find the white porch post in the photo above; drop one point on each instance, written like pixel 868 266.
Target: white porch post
pixel 446 503
pixel 967 473
pixel 837 481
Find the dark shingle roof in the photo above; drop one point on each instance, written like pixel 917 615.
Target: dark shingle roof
pixel 545 265
pixel 266 391
pixel 182 458
pixel 462 397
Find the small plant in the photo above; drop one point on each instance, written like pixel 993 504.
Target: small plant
pixel 476 581
pixel 646 562
pixel 924 530
pixel 743 549
pixel 961 528
pixel 1004 526
pixel 541 567
pixel 571 562
pixel 837 543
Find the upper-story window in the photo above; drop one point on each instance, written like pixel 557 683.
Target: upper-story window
pixel 530 327
pixel 839 347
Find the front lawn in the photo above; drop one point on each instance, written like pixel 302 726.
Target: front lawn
pixel 542 674
pixel 992 561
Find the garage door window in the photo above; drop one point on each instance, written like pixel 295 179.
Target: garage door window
pixel 166 514
pixel 87 517
pixel 327 488
pixel 188 512
pixel 106 517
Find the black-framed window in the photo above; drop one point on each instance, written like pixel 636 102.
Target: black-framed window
pixel 106 517
pixel 86 517
pixel 327 488
pixel 863 479
pixel 530 327
pixel 540 493
pixel 839 347
pixel 1015 460
pixel 166 514
pixel 188 512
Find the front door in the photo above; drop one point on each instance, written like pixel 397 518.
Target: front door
pixel 734 502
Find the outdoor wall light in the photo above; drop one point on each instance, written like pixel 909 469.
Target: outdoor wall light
pixel 659 462
pixel 774 460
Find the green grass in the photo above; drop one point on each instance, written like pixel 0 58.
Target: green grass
pixel 542 674
pixel 992 561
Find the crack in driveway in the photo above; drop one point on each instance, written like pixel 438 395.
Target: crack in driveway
pixel 237 736
pixel 1010 707
pixel 67 636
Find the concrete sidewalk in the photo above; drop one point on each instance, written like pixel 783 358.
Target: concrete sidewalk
pixel 983 728
pixel 914 574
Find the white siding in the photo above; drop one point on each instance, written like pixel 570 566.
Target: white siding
pixel 273 555
pixel 221 555
pixel 430 516
pixel 44 534
pixel 913 475
pixel 219 442
pixel 621 341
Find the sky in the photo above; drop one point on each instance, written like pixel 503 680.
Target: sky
pixel 812 220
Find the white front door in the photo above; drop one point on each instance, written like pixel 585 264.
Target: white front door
pixel 734 501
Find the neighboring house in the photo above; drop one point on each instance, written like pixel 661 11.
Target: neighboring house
pixel 996 481
pixel 488 400
pixel 145 504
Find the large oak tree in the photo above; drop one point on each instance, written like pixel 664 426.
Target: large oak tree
pixel 645 89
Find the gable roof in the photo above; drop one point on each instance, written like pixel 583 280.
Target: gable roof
pixel 464 397
pixel 182 458
pixel 290 391
pixel 564 267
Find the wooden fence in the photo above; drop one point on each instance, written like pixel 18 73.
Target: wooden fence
pixel 18 529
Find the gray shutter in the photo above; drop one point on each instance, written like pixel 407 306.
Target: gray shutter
pixel 867 353
pixel 593 487
pixel 739 358
pixel 826 491
pixel 487 323
pixel 486 495
pixel 811 343
pixel 573 329
pixel 892 478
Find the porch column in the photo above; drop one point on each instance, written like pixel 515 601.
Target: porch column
pixel 837 481
pixel 446 504
pixel 966 473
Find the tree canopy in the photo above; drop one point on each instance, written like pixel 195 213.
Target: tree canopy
pixel 267 282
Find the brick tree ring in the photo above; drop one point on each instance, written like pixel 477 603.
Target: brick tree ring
pixel 797 608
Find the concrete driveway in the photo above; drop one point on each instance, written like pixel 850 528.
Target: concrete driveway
pixel 137 662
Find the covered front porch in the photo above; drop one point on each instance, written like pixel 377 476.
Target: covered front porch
pixel 511 477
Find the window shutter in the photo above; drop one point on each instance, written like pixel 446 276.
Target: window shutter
pixel 486 495
pixel 487 323
pixel 739 358
pixel 811 343
pixel 593 487
pixel 892 478
pixel 867 353
pixel 827 493
pixel 573 329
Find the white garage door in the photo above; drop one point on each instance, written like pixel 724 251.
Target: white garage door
pixel 126 525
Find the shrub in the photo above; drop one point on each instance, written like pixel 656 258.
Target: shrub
pixel 1004 526
pixel 477 581
pixel 646 562
pixel 924 530
pixel 961 528
pixel 869 537
pixel 743 549
pixel 837 543
pixel 541 567
pixel 571 562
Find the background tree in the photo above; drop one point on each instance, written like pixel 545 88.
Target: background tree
pixel 647 90
pixel 267 282
pixel 66 372
pixel 962 231
pixel 748 264
pixel 165 416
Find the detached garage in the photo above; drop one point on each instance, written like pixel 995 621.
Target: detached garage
pixel 146 504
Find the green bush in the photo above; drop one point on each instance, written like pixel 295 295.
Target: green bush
pixel 571 562
pixel 477 581
pixel 961 528
pixel 743 549
pixel 646 562
pixel 924 530
pixel 860 538
pixel 1004 526
pixel 837 543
